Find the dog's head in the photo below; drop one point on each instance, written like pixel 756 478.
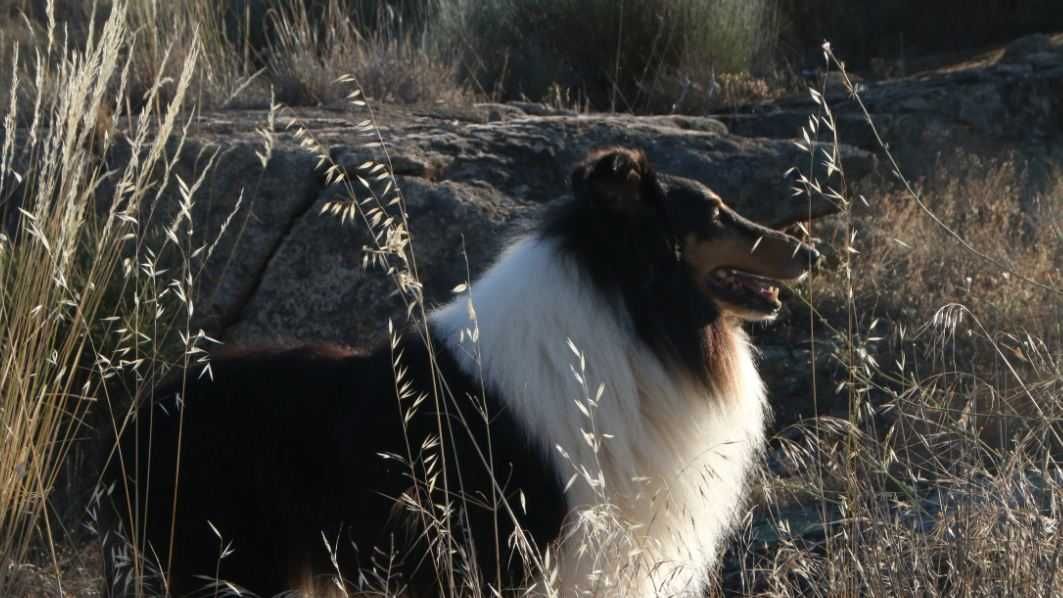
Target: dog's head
pixel 663 222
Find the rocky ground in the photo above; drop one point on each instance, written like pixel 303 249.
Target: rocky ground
pixel 1004 102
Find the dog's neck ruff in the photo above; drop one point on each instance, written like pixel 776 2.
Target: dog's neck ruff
pixel 674 454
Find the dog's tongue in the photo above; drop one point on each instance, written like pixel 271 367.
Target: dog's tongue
pixel 759 286
pixel 755 284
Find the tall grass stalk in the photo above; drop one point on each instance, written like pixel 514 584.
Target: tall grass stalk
pixel 165 34
pixel 70 262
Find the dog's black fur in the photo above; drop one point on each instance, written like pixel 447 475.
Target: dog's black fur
pixel 283 448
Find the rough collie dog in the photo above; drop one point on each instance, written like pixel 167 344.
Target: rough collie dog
pixel 597 369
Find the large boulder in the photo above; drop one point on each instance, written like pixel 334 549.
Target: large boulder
pixel 1009 105
pixel 286 273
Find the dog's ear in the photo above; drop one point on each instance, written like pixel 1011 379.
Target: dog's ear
pixel 615 178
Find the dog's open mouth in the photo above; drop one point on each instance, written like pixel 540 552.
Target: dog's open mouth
pixel 745 289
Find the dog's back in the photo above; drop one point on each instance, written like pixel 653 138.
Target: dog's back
pixel 285 450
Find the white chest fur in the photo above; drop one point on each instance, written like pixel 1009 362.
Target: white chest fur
pixel 658 483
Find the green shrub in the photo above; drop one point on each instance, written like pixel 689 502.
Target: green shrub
pixel 610 51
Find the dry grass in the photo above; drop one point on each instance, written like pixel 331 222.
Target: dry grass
pixel 909 267
pixel 311 50
pixel 297 48
pixel 87 310
pixel 700 91
pixel 164 34
pixel 939 474
pixel 617 55
pixel 72 306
